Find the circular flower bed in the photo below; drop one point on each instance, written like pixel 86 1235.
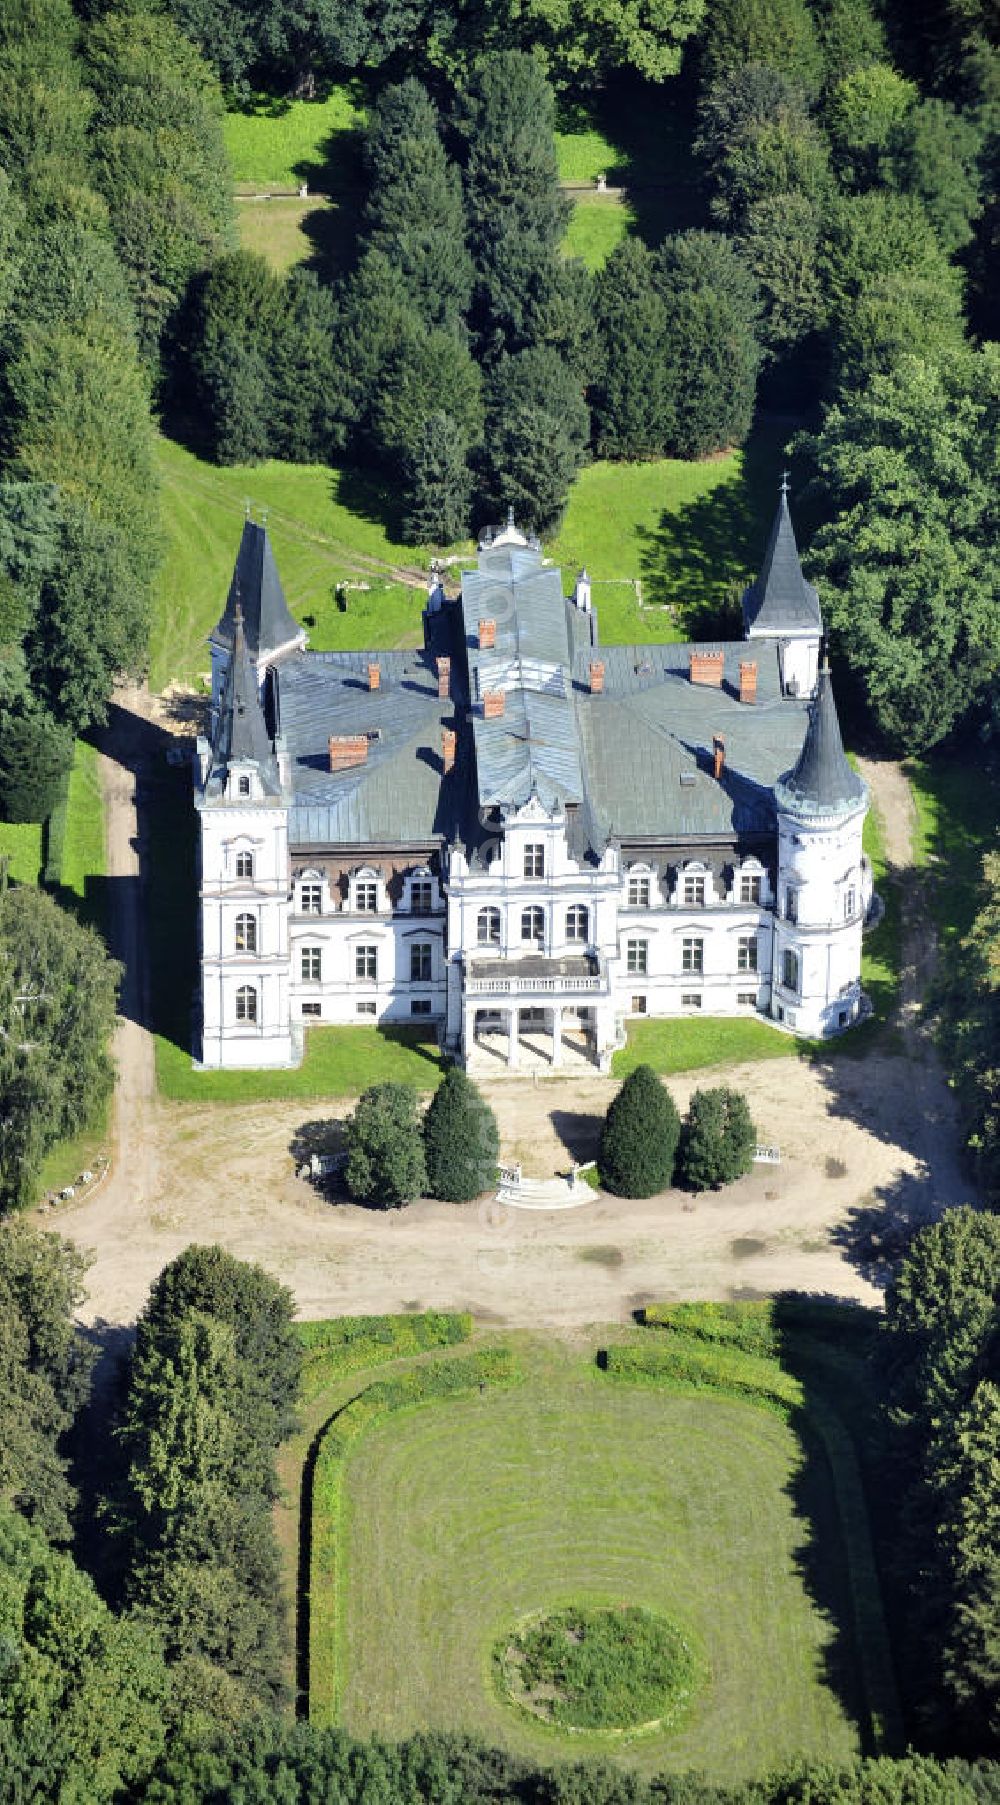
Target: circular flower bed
pixel 612 1670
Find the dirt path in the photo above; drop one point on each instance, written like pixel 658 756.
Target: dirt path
pixel 867 1145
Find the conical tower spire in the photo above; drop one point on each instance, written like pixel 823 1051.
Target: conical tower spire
pixel 781 601
pixel 241 736
pixel 256 589
pixel 822 782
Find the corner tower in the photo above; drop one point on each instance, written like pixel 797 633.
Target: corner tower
pixel 824 881
pixel 781 605
pixel 243 814
pixel 270 630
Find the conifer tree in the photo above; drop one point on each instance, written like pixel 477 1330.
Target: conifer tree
pixel 632 398
pixel 712 347
pixel 385 1150
pixel 437 483
pixel 639 1137
pixel 719 1137
pixel 538 428
pixel 461 1140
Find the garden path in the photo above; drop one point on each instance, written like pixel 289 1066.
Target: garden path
pixel 867 1149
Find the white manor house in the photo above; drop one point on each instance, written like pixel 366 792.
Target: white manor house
pixel 518 836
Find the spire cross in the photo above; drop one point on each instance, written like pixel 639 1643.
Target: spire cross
pixel 784 482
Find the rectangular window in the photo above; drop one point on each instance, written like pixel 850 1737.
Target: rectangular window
pixel 244 864
pixel 790 970
pixel 692 955
pixel 420 963
pixel 244 786
pixel 749 889
pixel 312 964
pixel 420 1006
pixel 366 962
pixel 637 956
pixel 364 1009
pixel 312 1009
pixel 850 903
pixel 311 899
pixel 638 1006
pixel 638 893
pixel 746 953
pixel 791 904
pixel 691 999
pixel 694 891
pixel 366 898
pixel 747 999
pixel 534 861
pixel 421 896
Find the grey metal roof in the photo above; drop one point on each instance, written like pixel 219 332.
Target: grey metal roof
pixel 822 782
pixel 781 601
pixel 241 735
pixel 256 586
pixel 400 795
pixel 533 748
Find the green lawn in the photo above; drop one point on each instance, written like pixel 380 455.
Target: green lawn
pixel 584 151
pixel 295 231
pixel 338 1062
pixel 21 846
pixel 462 1517
pixel 84 863
pixel 958 820
pixel 281 143
pixel 685 1045
pixel 326 527
pixel 596 225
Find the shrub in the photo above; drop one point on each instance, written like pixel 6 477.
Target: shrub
pixel 35 757
pixel 461 1140
pixel 385 1150
pixel 639 1138
pixel 350 1344
pixel 719 1139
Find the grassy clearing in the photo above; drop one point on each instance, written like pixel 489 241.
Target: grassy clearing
pixel 68 1159
pixel 958 820
pixel 326 526
pixel 21 846
pixel 596 225
pixel 281 143
pixel 570 1490
pixel 684 1045
pixel 882 949
pixel 84 859
pixel 287 232
pixel 584 151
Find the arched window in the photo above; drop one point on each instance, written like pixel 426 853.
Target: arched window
pixel 246 1003
pixel 577 923
pixel 533 924
pixel 246 933
pixel 488 927
pixel 244 864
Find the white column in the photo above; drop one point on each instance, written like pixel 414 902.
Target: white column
pixel 557 1018
pixel 513 1049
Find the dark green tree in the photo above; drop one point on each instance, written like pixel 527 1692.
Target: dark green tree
pixel 306 389
pixel 639 1137
pixel 632 396
pixel 879 244
pixel 937 153
pixel 415 211
pixel 422 368
pixel 461 1140
pixel 718 1141
pixel 237 318
pixel 865 112
pixel 971 1029
pixel 910 592
pixel 437 484
pixel 35 757
pixel 159 159
pixel 538 425
pixel 781 33
pixel 759 141
pixel 712 346
pixel 45 109
pixel 46 1366
pixel 259 1310
pixel 86 1698
pixel 851 35
pixel 385 1152
pixel 57 1010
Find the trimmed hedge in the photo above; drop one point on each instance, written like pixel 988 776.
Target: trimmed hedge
pixel 682 1365
pixel 350 1344
pixel 761 1327
pixel 55 837
pixel 420 1385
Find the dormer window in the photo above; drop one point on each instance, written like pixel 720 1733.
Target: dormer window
pixel 534 861
pixel 311 899
pixel 421 893
pixel 243 786
pixel 750 887
pixel 693 890
pixel 638 890
pixel 365 892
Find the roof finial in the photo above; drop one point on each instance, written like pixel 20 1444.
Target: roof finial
pixel 784 482
pixel 510 520
pixel 246 507
pixel 263 518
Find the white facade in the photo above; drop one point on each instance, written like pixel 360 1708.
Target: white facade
pixel 532 929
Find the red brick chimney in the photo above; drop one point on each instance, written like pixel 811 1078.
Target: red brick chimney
pixel 719 754
pixel 494 704
pixel 444 677
pixel 707 667
pixel 596 676
pixel 348 750
pixel 374 676
pixel 449 742
pixel 487 634
pixel 748 680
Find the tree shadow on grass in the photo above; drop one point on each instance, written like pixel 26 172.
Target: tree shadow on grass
pixel 370 497
pixel 579 1132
